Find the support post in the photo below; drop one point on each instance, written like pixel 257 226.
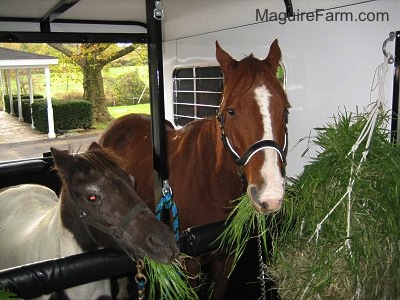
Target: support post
pixel 50 117
pixel 156 99
pixel 10 96
pixel 31 96
pixel 20 116
pixel 395 126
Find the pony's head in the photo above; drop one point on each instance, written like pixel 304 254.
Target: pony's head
pixel 98 193
pixel 252 117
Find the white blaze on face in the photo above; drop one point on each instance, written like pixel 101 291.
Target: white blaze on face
pixel 273 191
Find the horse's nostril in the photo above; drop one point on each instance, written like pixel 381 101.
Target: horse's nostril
pixel 255 197
pixel 153 242
pixel 161 250
pixel 253 192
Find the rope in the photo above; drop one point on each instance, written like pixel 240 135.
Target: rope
pixel 166 203
pixel 366 133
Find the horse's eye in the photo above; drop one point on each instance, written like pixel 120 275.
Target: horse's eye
pixel 230 111
pixel 92 198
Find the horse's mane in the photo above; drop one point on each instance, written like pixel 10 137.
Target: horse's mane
pixel 250 70
pixel 247 71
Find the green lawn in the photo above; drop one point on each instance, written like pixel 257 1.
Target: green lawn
pixel 119 111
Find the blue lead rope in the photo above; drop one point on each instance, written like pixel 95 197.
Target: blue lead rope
pixel 167 203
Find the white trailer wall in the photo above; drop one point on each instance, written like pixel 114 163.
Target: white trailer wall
pixel 329 64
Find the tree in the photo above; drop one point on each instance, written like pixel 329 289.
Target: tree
pixel 92 58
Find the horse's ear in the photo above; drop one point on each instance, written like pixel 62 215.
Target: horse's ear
pixel 226 62
pixel 62 160
pixel 94 146
pixel 274 55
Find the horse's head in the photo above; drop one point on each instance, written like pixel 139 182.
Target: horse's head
pixel 102 196
pixel 253 117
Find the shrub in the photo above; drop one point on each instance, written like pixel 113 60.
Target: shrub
pixel 67 115
pixel 26 110
pixel 24 98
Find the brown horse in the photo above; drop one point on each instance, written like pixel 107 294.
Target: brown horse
pixel 249 135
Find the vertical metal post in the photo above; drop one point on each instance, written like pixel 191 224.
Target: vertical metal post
pixel 396 94
pixel 156 99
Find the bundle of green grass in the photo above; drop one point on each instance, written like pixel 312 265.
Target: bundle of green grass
pixel 325 245
pixel 313 256
pixel 5 295
pixel 167 281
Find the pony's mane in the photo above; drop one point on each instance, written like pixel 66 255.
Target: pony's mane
pixel 101 159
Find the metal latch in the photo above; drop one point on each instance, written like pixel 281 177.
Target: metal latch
pixel 158 11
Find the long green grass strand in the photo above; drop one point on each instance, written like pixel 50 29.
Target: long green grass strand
pixel 167 281
pixel 241 223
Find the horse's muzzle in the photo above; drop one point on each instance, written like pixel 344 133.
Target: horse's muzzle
pixel 162 250
pixel 265 202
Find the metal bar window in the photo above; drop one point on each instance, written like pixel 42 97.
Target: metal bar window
pixel 196 93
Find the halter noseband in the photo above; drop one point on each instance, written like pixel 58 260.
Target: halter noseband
pixel 117 232
pixel 253 149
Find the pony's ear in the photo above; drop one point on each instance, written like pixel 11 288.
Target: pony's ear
pixel 94 146
pixel 226 62
pixel 62 160
pixel 274 56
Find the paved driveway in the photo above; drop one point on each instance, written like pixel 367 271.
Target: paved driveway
pixel 18 140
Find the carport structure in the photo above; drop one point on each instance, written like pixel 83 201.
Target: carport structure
pixel 19 60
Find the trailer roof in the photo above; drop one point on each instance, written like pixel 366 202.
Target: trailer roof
pixel 183 18
pixel 105 10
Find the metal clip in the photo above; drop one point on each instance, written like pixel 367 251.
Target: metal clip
pixel 391 37
pixel 140 279
pixel 158 11
pixel 166 189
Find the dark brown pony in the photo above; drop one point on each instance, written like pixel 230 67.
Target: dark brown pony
pixel 204 157
pixel 98 207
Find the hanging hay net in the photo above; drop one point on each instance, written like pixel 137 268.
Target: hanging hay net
pixel 339 238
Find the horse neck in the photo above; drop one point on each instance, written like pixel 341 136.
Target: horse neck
pixel 70 220
pixel 206 146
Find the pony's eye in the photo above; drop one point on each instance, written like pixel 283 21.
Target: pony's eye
pixel 230 111
pixel 92 198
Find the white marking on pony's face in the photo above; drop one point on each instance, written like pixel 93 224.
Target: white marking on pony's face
pixel 272 193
